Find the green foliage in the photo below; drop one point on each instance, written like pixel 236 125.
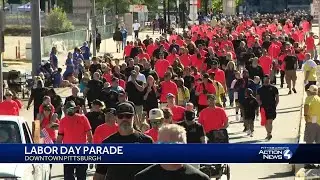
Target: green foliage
pixel 123 5
pixel 217 4
pixel 57 21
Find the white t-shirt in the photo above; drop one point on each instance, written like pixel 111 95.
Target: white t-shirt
pixel 140 77
pixel 136 26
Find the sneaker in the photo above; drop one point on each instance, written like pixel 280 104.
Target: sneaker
pixel 289 92
pixel 294 90
pixel 251 134
pixel 269 137
pixel 237 117
pixel 248 132
pixel 245 130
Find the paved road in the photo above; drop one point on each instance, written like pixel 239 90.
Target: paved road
pixel 285 131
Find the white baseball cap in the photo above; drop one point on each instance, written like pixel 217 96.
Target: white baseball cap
pixel 156 113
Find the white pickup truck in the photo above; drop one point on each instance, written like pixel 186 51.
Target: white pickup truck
pixel 15 130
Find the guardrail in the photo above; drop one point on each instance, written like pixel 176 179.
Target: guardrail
pixel 70 40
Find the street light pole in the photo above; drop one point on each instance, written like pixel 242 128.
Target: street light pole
pixel 1 51
pixel 35 35
pixel 94 27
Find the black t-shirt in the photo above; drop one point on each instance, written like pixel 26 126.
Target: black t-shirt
pixel 95 88
pixel 188 81
pixel 94 67
pixel 151 101
pixel 156 172
pixel 95 119
pixel 56 101
pixel 151 72
pixel 291 62
pixel 194 131
pixel 123 172
pixel 268 96
pixel 250 105
pixel 109 97
pixel 37 94
pixel 79 101
pixel 266 45
pixel 128 71
pixel 134 94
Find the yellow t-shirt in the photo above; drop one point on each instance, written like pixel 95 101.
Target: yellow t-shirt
pixel 183 97
pixel 219 91
pixel 314 105
pixel 310 66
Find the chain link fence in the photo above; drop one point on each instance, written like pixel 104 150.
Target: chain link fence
pixel 68 41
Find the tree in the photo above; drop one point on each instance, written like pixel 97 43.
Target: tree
pixel 57 21
pixel 123 5
pixel 217 4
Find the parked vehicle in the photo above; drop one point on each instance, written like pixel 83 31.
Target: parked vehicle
pixel 15 130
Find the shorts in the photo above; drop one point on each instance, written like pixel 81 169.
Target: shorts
pixel 312 133
pixel 271 113
pixel 290 75
pixel 309 84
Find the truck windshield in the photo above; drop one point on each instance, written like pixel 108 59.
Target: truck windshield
pixel 9 132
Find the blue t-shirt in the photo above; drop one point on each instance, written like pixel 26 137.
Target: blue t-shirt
pixel 124 33
pixel 54 60
pixel 57 79
pixel 85 52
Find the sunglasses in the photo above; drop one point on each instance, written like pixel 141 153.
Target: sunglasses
pixel 155 122
pixel 125 116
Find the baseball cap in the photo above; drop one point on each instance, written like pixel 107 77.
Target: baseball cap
pixel 110 111
pixel 125 108
pixel 169 95
pixel 70 105
pixel 98 103
pixel 211 96
pixel 156 113
pixel 313 88
pixel 215 63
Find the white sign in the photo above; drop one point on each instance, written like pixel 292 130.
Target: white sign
pixel 315 7
pixel 138 8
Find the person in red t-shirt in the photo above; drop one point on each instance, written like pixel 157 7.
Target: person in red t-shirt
pixel 219 74
pixel 103 131
pixel 161 66
pixel 265 61
pixel 127 50
pixel 156 120
pixel 167 86
pixel 49 121
pixel 177 111
pixel 9 106
pixel 310 45
pixel 202 90
pixel 74 128
pixel 213 117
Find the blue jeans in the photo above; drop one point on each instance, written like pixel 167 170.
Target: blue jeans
pixel 124 43
pixel 231 95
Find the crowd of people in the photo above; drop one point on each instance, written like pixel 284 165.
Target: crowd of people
pixel 174 89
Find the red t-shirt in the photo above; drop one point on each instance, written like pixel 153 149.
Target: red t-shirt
pixel 266 63
pixel 151 48
pixel 45 122
pixel 310 43
pixel 144 55
pixel 171 58
pixel 9 108
pixel 185 60
pixel 203 97
pixel 108 77
pixel 161 67
pixel 274 50
pixel 212 118
pixel 122 83
pixel 219 75
pixel 153 133
pixel 177 113
pixel 74 129
pixel 166 88
pixel 103 131
pixel 19 103
pixel 127 50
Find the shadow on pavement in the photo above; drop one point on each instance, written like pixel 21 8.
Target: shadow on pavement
pixel 282 112
pixel 237 137
pixel 252 141
pixel 279 175
pixel 289 108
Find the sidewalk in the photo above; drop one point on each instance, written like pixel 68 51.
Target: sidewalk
pixel 107 46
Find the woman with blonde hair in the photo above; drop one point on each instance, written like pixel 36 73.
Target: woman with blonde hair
pixel 230 76
pixel 183 93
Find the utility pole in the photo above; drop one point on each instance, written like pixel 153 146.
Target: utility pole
pixel 35 36
pixel 94 27
pixel 1 51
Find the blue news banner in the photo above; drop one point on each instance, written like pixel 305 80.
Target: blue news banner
pixel 160 153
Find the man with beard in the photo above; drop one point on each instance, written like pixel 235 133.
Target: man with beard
pixel 255 69
pixel 126 134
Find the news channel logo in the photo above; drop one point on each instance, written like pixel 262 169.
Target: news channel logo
pixel 275 153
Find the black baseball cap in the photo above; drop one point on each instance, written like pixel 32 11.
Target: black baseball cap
pixel 98 103
pixel 125 108
pixel 112 111
pixel 70 105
